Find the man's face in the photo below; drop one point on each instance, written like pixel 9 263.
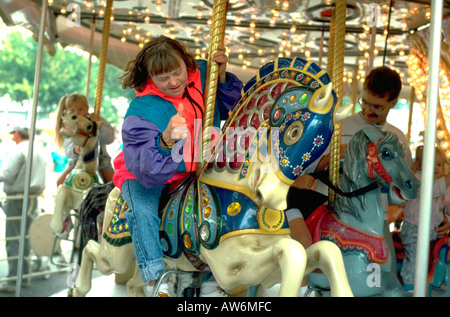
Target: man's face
pixel 374 108
pixel 16 137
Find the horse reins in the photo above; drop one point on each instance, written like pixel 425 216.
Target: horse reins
pixel 374 165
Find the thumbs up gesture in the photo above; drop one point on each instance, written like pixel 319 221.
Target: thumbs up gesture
pixel 177 128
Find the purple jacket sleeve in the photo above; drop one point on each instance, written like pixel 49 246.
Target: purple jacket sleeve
pixel 227 94
pixel 144 157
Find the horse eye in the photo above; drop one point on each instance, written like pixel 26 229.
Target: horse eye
pixel 89 127
pixel 293 133
pixel 386 154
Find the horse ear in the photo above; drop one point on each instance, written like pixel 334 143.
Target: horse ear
pixel 373 134
pixel 94 128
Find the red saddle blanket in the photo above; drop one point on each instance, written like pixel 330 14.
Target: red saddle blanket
pixel 324 225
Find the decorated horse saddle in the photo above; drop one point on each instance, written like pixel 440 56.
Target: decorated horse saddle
pixel 324 225
pixel 80 180
pixel 205 215
pixel 200 214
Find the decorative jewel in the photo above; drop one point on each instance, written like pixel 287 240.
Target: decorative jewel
pixel 234 208
pixel 187 225
pixel 303 98
pixel 204 231
pixel 187 241
pixel 206 201
pixel 169 228
pixel 207 212
pixel 188 209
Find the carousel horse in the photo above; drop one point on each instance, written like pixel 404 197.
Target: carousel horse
pixel 438 264
pixel 69 195
pixel 229 219
pixel 373 159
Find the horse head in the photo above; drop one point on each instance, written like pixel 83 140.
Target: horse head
pixel 283 123
pixel 82 129
pixel 302 124
pixel 384 163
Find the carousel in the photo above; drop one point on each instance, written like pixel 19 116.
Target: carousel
pixel 303 64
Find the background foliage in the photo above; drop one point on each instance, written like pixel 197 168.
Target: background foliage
pixel 63 73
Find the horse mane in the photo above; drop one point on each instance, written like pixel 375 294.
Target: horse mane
pixel 355 174
pixel 91 207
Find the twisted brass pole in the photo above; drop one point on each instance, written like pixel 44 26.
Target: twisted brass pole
pixel 216 39
pixel 330 57
pixel 338 69
pixel 102 59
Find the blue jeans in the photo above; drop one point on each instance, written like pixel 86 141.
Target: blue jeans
pixel 144 227
pixel 409 235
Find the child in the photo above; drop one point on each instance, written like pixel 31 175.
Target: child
pixel 168 82
pixel 78 104
pixel 439 223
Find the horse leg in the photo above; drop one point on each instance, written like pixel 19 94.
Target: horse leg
pixel 135 285
pixel 291 257
pixel 326 256
pixel 84 281
pixel 258 259
pixel 63 200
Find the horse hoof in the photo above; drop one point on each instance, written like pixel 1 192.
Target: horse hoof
pixel 70 293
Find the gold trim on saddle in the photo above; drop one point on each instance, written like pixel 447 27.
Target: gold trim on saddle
pixel 118 225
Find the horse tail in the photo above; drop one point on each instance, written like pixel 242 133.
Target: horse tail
pixel 93 205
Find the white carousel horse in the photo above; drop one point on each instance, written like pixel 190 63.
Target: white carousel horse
pixel 230 219
pixel 373 159
pixel 69 196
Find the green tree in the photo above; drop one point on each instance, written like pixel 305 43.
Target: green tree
pixel 63 73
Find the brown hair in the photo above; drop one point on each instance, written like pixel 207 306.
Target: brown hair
pixel 65 103
pixel 383 81
pixel 160 55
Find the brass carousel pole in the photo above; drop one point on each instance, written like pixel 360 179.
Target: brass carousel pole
pixel 216 39
pixel 330 57
pixel 411 106
pixel 91 50
pixel 338 68
pixel 102 59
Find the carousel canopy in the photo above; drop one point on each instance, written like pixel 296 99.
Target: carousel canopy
pixel 256 31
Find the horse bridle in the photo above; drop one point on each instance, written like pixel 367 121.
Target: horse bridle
pixel 374 163
pixel 88 135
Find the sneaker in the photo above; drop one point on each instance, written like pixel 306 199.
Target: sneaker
pixel 163 290
pixel 6 287
pixel 212 289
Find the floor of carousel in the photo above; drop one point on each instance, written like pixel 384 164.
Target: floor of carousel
pixel 102 286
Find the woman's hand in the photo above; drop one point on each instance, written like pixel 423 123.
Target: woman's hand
pixel 177 128
pixel 222 59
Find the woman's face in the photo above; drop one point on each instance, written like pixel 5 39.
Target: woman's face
pixel 172 83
